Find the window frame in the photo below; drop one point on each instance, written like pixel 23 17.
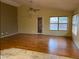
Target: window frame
pixel 59 23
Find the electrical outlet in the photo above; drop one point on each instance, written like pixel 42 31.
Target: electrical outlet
pixel 2 34
pixel 6 32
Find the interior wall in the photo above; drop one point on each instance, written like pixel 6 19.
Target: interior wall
pixel 8 19
pixel 76 37
pixel 0 18
pixel 27 21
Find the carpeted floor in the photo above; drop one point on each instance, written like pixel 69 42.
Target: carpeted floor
pixel 15 53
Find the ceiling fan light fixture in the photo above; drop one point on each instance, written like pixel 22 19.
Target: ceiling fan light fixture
pixel 31 8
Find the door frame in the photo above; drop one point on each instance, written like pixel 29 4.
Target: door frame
pixel 37 25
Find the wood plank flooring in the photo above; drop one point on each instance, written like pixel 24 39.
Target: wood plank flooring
pixel 42 43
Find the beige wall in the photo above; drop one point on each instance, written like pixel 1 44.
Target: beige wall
pixel 76 37
pixel 8 19
pixel 27 23
pixel 0 18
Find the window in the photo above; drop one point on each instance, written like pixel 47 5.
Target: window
pixel 58 23
pixel 74 25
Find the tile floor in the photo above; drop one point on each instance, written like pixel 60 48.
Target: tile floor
pixel 15 53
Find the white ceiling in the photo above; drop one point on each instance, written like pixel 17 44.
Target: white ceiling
pixel 68 5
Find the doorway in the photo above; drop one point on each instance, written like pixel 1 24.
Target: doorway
pixel 39 22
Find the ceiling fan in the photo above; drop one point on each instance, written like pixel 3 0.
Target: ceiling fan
pixel 32 8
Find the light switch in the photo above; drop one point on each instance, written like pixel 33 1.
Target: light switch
pixel 2 33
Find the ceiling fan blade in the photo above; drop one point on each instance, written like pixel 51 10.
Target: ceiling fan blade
pixel 36 10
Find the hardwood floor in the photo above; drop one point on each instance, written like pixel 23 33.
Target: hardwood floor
pixel 42 43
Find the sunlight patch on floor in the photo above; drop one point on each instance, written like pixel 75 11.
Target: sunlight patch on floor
pixel 15 53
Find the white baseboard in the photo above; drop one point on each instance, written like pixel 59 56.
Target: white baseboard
pixel 9 35
pixel 30 33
